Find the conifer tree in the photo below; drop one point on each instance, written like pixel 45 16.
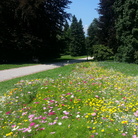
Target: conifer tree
pixel 92 38
pixel 81 36
pixel 106 32
pixel 65 39
pixel 77 44
pixel 127 30
pixel 31 28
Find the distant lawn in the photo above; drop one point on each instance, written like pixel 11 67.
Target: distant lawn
pixel 53 73
pixel 10 66
pixel 81 100
pixel 127 69
pixel 17 65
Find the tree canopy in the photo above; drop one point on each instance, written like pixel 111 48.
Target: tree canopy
pixel 117 29
pixel 29 28
pixel 77 44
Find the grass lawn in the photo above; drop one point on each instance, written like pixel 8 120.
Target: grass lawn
pixel 83 100
pixel 17 65
pixel 10 66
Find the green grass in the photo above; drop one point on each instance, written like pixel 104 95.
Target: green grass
pixel 125 68
pixel 83 100
pixel 53 73
pixel 10 66
pixel 17 65
pixel 68 57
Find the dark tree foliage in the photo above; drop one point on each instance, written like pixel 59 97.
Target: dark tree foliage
pixel 127 30
pixel 77 44
pixel 65 39
pixel 106 32
pixel 92 38
pixel 31 28
pixel 81 36
pixel 7 29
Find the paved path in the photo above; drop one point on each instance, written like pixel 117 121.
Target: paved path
pixel 22 71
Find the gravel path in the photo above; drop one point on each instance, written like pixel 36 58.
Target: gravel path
pixel 23 71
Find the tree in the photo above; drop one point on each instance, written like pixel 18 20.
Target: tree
pixel 81 36
pixel 106 32
pixel 77 44
pixel 65 39
pixel 92 38
pixel 7 29
pixel 127 30
pixel 35 26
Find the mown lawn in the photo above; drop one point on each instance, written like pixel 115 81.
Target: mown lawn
pixel 92 99
pixel 11 66
pixel 17 65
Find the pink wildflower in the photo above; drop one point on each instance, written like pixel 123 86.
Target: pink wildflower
pixel 36 126
pixel 13 126
pixel 7 113
pixel 136 113
pixel 43 118
pixel 24 113
pixel 41 128
pixel 51 113
pixel 52 101
pixel 44 108
pixel 31 119
pixel 27 130
pixel 43 121
pixel 32 124
pixel 31 116
pixel 65 112
pixel 134 136
pixel 93 114
pixel 52 123
pixel 64 117
pixel 68 93
pixel 123 134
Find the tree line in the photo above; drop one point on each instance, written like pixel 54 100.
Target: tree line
pixel 30 29
pixel 114 35
pixel 39 29
pixel 73 38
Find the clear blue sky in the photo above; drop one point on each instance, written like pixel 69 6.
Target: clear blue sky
pixel 85 10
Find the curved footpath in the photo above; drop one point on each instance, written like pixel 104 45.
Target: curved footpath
pixel 23 71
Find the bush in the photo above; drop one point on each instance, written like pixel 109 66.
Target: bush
pixel 136 57
pixel 101 52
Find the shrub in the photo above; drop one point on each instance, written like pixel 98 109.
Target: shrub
pixel 136 57
pixel 101 52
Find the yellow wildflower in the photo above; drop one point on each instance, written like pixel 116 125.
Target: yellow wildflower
pixel 9 134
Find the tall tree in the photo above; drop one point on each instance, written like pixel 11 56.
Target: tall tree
pixel 64 39
pixel 127 30
pixel 106 24
pixel 81 36
pixel 36 25
pixel 92 33
pixel 77 44
pixel 7 29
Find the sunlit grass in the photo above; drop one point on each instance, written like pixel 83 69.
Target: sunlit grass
pixel 92 101
pixel 11 66
pixel 17 65
pixel 53 73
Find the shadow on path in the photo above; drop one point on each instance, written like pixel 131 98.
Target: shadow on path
pixel 23 71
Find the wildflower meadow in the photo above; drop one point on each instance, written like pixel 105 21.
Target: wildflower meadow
pixel 90 102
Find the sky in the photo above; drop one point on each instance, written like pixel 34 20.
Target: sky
pixel 85 10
